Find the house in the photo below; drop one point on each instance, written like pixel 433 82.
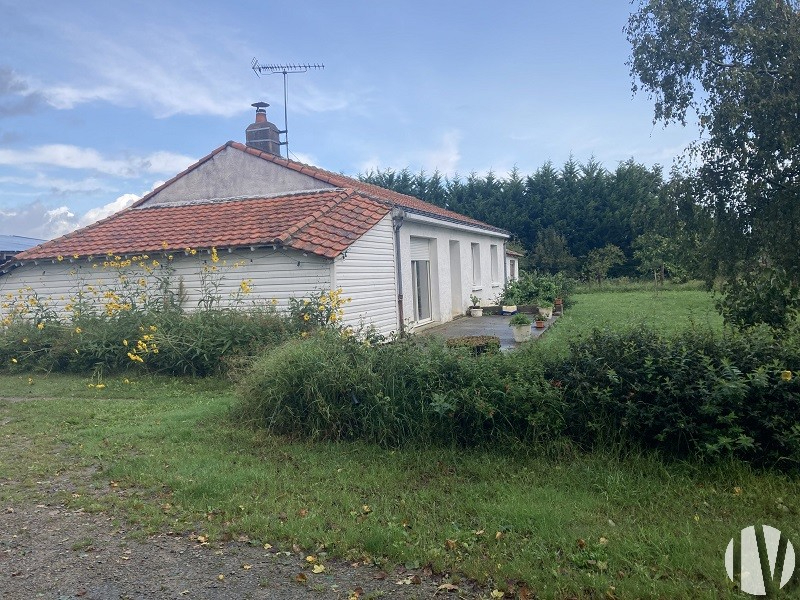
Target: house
pixel 11 245
pixel 289 229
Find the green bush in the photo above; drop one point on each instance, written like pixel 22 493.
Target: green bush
pixel 537 288
pixel 406 392
pixel 694 394
pixel 200 343
pixel 767 295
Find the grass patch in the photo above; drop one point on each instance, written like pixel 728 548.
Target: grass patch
pixel 668 311
pixel 165 455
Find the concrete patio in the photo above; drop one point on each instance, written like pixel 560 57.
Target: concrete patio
pixel 495 325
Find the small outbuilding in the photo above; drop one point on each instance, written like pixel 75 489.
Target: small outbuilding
pixel 11 245
pixel 262 228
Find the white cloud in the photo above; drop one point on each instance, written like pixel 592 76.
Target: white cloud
pixel 101 212
pixel 74 157
pixel 304 158
pixel 444 156
pixel 58 186
pixel 37 220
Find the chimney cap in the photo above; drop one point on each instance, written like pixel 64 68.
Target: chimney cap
pixel 258 105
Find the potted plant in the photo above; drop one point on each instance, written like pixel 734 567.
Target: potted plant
pixel 521 327
pixel 540 322
pixel 475 309
pixel 546 310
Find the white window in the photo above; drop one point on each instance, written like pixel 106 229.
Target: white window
pixel 421 278
pixel 421 285
pixel 512 269
pixel 476 266
pixel 495 265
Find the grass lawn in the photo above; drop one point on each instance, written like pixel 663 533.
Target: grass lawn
pixel 165 455
pixel 668 311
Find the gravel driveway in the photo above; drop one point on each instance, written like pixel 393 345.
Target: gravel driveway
pixel 55 553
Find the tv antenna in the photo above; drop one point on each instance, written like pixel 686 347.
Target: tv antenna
pixel 284 70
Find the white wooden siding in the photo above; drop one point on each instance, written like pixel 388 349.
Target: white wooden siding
pixel 277 274
pixel 367 275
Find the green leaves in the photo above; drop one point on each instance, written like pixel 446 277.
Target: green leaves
pixel 735 65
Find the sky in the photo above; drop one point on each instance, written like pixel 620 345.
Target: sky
pixel 102 101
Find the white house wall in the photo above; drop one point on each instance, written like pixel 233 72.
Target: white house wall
pixel 366 273
pixel 270 274
pixel 441 235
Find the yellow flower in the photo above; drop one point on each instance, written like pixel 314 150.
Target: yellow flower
pixel 164 245
pixel 124 342
pixel 14 360
pixel 214 257
pixel 786 375
pixel 74 256
pixel 40 326
pixel 30 380
pixel 24 340
pixel 100 386
pixel 60 258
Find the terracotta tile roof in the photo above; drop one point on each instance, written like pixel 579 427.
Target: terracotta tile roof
pixel 374 191
pixel 323 223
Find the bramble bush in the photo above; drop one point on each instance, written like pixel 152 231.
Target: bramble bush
pixel 695 394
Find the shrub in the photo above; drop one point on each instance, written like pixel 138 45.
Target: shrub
pixel 693 394
pixel 406 392
pixel 768 295
pixel 533 288
pixel 200 343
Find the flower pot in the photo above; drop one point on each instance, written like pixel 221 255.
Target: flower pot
pixel 539 324
pixel 475 312
pixel 558 301
pixel 509 310
pixel 545 312
pixel 522 333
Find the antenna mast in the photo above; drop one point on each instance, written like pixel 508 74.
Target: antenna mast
pixel 284 70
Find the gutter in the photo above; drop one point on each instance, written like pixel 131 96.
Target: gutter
pixel 398 214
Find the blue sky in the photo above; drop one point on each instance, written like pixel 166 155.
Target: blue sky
pixel 102 101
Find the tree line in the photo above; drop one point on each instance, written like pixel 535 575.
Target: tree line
pixel 580 219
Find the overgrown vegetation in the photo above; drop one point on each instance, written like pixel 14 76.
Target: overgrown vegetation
pixel 537 288
pixel 698 394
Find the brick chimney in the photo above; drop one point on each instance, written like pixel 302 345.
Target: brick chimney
pixel 263 135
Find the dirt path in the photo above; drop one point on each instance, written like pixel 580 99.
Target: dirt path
pixel 55 553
